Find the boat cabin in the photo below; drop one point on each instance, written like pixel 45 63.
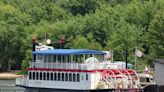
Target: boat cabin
pixel 67 55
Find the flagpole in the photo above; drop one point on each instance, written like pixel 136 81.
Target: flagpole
pixel 138 54
pixel 135 59
pixel 112 55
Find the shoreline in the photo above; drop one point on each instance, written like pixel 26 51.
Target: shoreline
pixel 9 76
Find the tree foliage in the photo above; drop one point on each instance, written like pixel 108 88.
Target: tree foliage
pixel 89 24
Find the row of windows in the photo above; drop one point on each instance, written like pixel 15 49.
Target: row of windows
pixel 66 58
pixel 55 76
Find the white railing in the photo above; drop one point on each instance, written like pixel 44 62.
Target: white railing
pixel 81 66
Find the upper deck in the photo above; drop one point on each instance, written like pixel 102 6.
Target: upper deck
pixel 81 59
pixel 68 56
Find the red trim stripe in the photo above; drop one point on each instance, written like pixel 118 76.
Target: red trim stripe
pixel 63 70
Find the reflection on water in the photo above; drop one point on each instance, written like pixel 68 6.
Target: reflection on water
pixel 9 86
pixel 11 89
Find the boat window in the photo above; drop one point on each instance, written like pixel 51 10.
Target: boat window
pixel 81 58
pixel 48 77
pixel 33 58
pixel 39 57
pixel 78 58
pixel 66 77
pixel 59 58
pixel 52 76
pixel 30 75
pixel 66 58
pixel 58 76
pixel 69 58
pixel 63 58
pixel 40 75
pixel 74 77
pixel 86 76
pixel 37 75
pixel 55 76
pixel 54 58
pixel 33 74
pixel 98 57
pixel 70 77
pixel 78 78
pixel 62 76
pixel 44 57
pixel 44 76
pixel 86 56
pixel 49 58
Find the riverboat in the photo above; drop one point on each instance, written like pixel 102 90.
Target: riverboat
pixel 77 70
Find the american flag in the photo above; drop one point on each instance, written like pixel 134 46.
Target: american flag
pixel 107 55
pixel 138 53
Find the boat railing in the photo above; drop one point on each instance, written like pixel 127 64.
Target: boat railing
pixel 72 65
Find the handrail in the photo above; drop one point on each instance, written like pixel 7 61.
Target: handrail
pixel 73 65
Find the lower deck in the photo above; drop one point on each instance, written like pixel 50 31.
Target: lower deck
pixel 80 79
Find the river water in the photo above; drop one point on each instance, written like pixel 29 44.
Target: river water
pixel 9 86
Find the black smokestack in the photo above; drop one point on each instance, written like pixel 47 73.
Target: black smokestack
pixel 33 44
pixel 34 47
pixel 62 41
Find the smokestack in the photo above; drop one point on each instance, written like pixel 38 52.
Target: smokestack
pixel 34 46
pixel 33 43
pixel 62 41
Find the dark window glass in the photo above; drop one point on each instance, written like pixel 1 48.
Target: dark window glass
pixel 30 75
pixel 74 77
pixel 44 76
pixel 33 75
pixel 78 78
pixel 59 58
pixel 55 76
pixel 68 58
pixel 62 76
pixel 70 77
pixel 66 77
pixel 37 75
pixel 40 75
pixel 52 76
pixel 58 76
pixel 86 76
pixel 48 77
